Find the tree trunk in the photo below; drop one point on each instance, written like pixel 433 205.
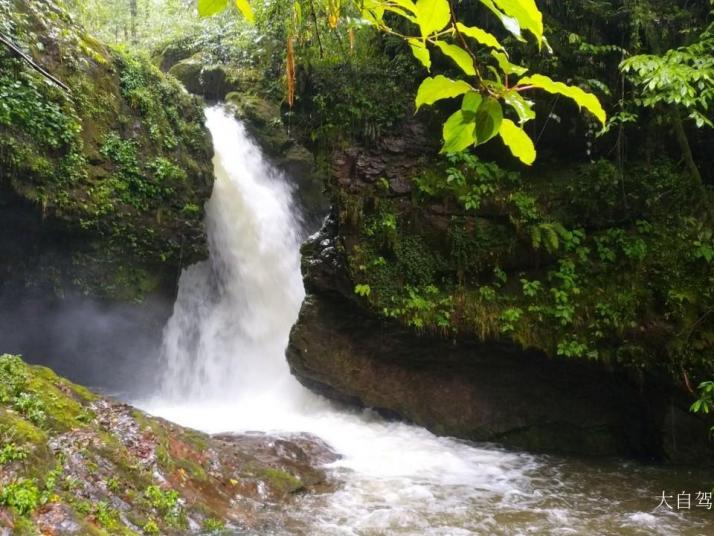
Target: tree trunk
pixel 133 15
pixel 686 149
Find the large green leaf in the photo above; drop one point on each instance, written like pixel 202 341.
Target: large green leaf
pixel 421 52
pixel 471 102
pixel 245 9
pixel 519 143
pixel 459 132
pixel 459 55
pixel 582 98
pixel 439 87
pixel 526 13
pixel 460 128
pixel 432 15
pixel 206 8
pixel 481 36
pixel 488 120
pixel 522 106
pixel 405 8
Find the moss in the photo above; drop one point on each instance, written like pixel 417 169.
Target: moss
pixel 279 480
pixel 100 162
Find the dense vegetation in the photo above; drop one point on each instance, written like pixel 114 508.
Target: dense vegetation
pixel 602 251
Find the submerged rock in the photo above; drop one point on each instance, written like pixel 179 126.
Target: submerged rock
pixel 74 462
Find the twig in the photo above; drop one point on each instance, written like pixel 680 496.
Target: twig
pixel 13 48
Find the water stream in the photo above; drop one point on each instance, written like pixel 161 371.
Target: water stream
pixel 225 370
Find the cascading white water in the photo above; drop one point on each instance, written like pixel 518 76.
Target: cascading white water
pixel 225 370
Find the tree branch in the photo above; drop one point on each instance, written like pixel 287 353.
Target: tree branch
pixel 7 42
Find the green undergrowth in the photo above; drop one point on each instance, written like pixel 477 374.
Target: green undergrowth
pixel 568 263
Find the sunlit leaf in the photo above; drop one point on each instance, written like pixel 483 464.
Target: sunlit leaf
pixel 432 15
pixel 459 132
pixel 481 36
pixel 488 120
pixel 372 11
pixel 471 102
pixel 245 9
pixel 421 52
pixel 522 106
pixel 518 142
pixel 509 23
pixel 582 98
pixel 439 87
pixel 526 13
pixel 506 66
pixel 459 55
pixel 206 8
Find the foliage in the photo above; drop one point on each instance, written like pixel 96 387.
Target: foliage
pixel 23 495
pixel 485 84
pixel 682 77
pixel 112 164
pixel 12 453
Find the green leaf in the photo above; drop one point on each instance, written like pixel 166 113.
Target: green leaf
pixel 471 102
pixel 506 66
pixel 372 11
pixel 207 8
pixel 245 9
pixel 459 55
pixel 459 129
pixel 582 98
pixel 438 88
pixel 526 13
pixel 519 143
pixel 405 8
pixel 481 36
pixel 421 52
pixel 509 23
pixel 432 15
pixel 522 106
pixel 488 120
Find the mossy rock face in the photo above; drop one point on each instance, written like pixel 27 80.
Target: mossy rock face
pixel 459 257
pixel 201 77
pixel 72 462
pixel 188 72
pixel 120 164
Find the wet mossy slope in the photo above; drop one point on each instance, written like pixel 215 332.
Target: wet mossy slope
pixel 72 462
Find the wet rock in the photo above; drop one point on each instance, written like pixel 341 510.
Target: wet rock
pixel 474 390
pixel 106 465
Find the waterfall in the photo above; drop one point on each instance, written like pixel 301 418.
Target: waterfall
pixel 229 330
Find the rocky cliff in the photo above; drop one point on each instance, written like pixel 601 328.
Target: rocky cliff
pixel 108 175
pixel 491 320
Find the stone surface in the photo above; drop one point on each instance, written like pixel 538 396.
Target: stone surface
pixel 469 389
pixel 118 469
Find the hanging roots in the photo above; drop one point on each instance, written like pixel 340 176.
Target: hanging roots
pixel 290 72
